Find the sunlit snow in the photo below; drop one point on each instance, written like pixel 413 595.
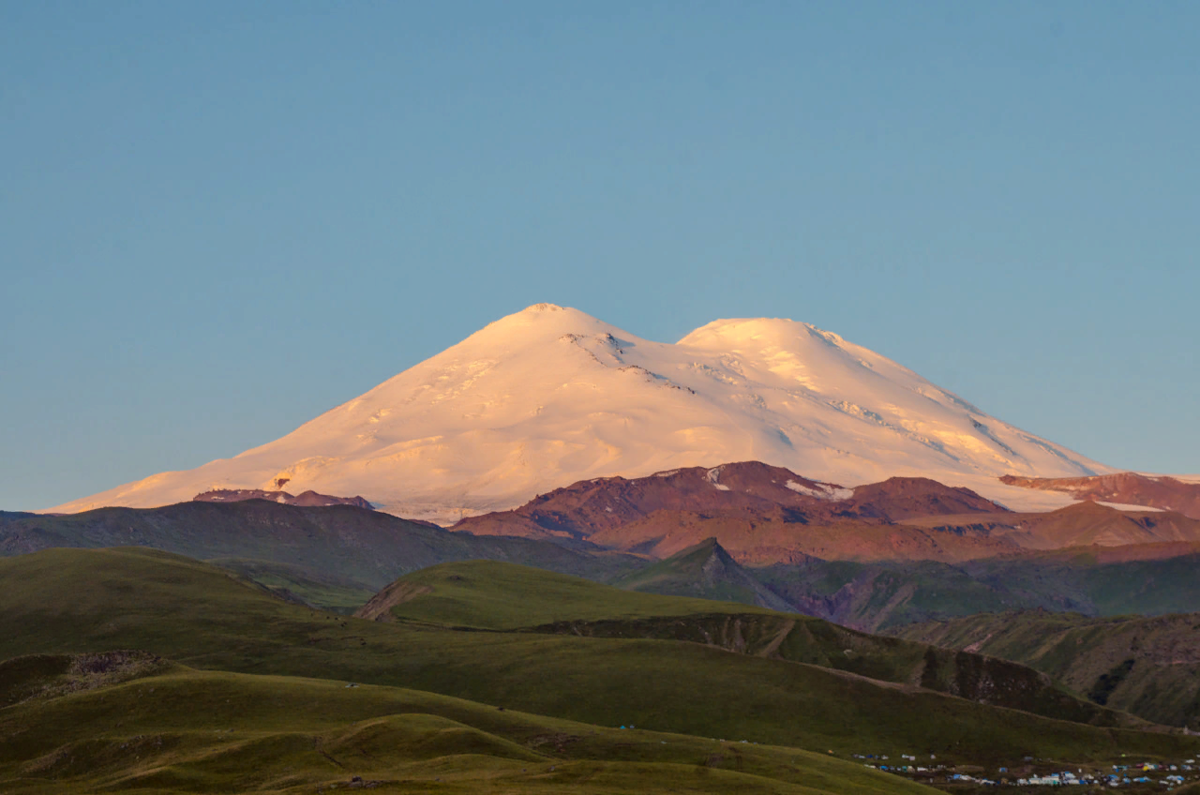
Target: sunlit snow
pixel 550 395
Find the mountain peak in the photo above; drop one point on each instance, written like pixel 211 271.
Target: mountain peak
pixel 550 396
pixel 729 330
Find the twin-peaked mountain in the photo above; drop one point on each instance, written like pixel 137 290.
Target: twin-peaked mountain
pixel 552 396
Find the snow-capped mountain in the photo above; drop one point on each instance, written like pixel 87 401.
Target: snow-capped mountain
pixel 550 395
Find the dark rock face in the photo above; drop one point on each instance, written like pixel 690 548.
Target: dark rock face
pixel 1127 488
pixel 308 499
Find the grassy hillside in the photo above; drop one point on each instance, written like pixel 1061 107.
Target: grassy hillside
pixel 1147 666
pixel 70 601
pixel 171 728
pixel 1091 581
pixel 707 571
pixel 331 557
pixel 489 595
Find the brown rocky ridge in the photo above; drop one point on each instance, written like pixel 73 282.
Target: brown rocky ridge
pixel 765 515
pixel 1125 488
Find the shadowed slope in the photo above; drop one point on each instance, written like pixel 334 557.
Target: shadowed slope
pixel 1148 666
pixel 330 556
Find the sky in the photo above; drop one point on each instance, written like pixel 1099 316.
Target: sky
pixel 218 219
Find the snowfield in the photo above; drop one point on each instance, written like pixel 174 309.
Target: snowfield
pixel 550 395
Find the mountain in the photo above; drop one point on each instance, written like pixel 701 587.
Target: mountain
pixel 764 515
pixel 1079 525
pixel 748 489
pixel 550 396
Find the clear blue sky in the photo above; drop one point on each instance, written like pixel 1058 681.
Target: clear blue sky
pixel 218 220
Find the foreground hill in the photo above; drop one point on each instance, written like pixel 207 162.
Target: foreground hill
pixel 200 616
pixel 1148 666
pixel 336 556
pixel 130 721
pixel 551 396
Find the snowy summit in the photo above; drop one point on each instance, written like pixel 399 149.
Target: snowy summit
pixel 550 395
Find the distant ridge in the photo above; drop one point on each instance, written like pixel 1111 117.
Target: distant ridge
pixel 308 499
pixel 550 396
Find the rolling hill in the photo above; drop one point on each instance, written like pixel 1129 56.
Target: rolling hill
pixel 87 601
pixel 707 571
pixel 335 556
pixel 124 721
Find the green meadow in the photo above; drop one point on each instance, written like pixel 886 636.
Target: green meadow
pixel 252 693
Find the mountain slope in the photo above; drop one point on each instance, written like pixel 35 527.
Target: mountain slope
pixel 746 489
pixel 707 571
pixel 334 556
pixel 551 396
pixel 1148 666
pixel 1150 579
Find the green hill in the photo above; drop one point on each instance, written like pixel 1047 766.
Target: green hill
pixel 168 728
pixel 74 601
pixel 498 596
pixel 488 595
pixel 1147 666
pixel 706 571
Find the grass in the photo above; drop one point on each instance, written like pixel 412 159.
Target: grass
pixel 70 601
pixel 295 583
pixel 182 730
pixel 704 570
pixel 488 595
